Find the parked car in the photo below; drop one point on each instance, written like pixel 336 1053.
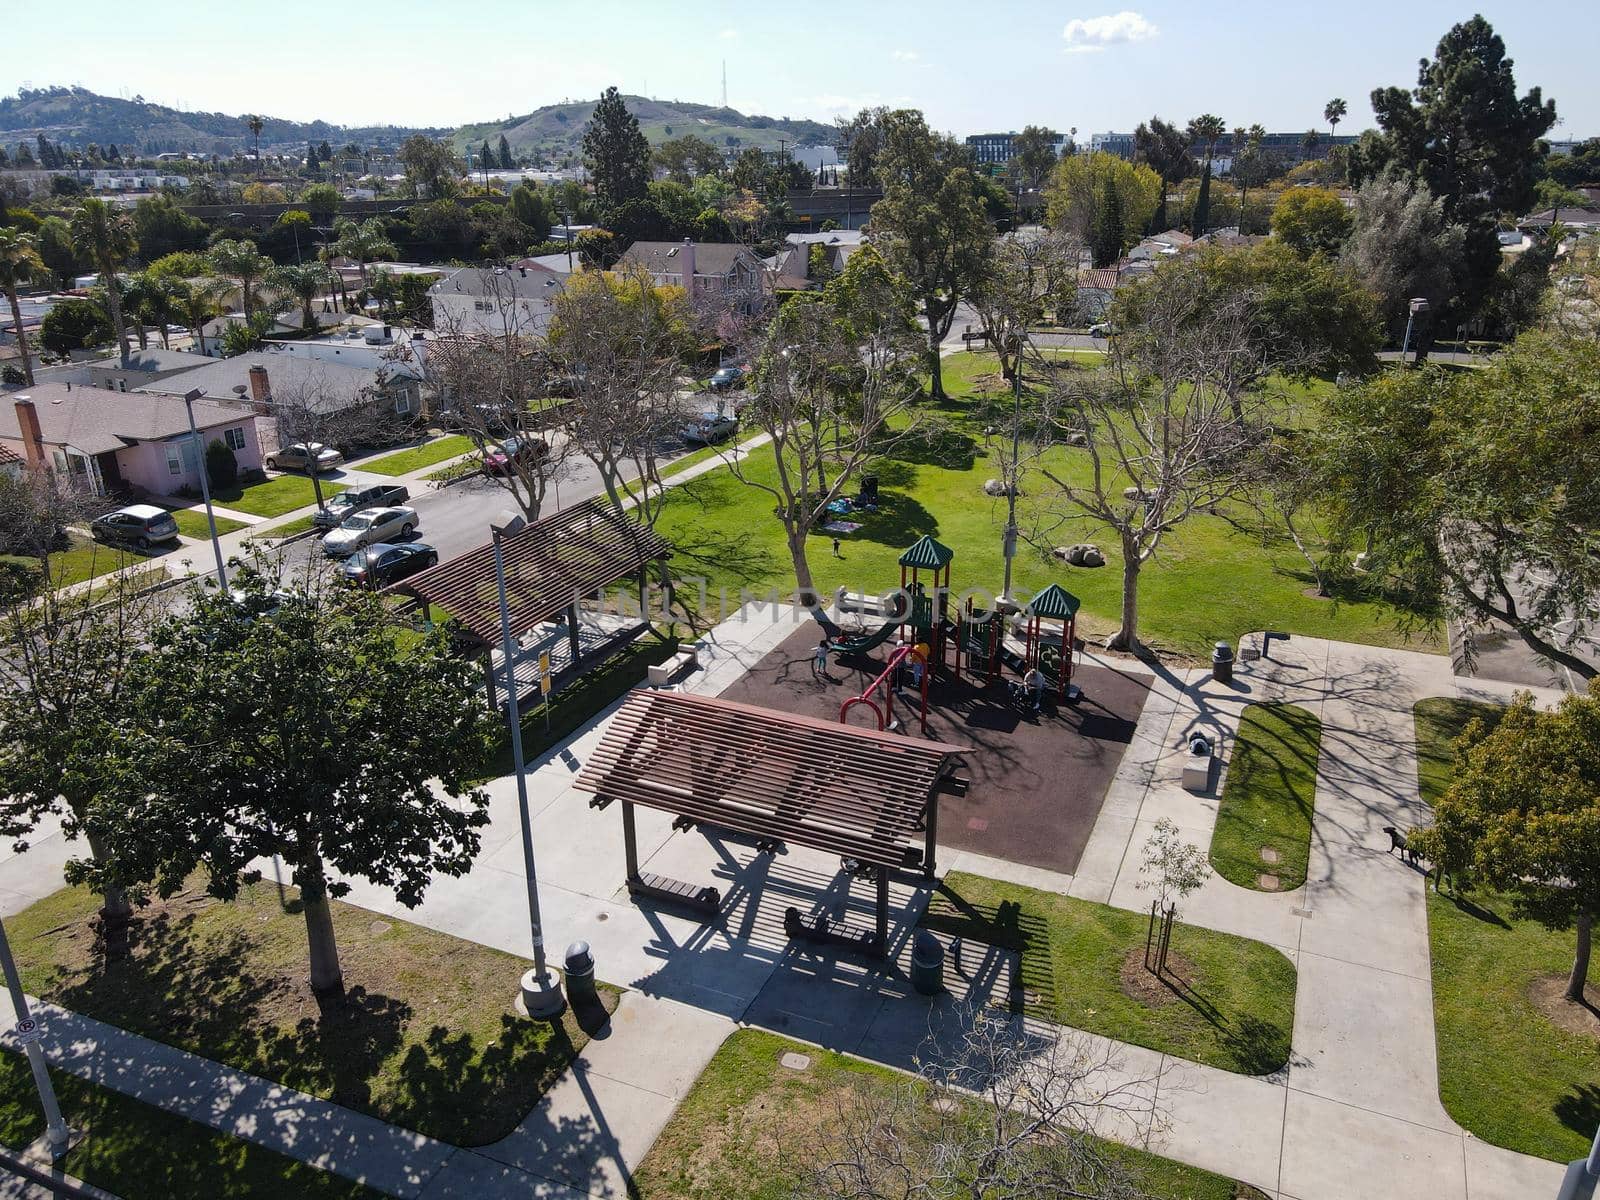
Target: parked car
pixel 498 456
pixel 382 563
pixel 368 526
pixel 1101 329
pixel 312 457
pixel 728 378
pixel 708 427
pixel 142 525
pixel 379 495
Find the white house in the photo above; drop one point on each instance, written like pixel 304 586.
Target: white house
pixel 496 302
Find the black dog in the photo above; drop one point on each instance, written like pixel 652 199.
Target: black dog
pixel 1397 841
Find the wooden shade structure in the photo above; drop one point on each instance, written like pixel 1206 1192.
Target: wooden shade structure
pixel 776 776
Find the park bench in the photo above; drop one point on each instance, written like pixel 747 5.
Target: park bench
pixel 662 674
pixel 674 891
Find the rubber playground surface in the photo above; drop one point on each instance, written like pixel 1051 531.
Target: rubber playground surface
pixel 1037 780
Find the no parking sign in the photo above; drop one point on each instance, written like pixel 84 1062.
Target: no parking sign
pixel 28 1030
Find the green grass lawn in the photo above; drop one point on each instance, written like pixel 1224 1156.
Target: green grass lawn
pixel 750 1126
pixel 192 523
pixel 144 1153
pixel 467 466
pixel 84 558
pixel 1209 581
pixel 425 1036
pixel 276 496
pixel 289 528
pixel 1268 798
pixel 1233 1007
pixel 403 462
pixel 1507 1072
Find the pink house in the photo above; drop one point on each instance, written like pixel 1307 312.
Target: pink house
pixel 106 443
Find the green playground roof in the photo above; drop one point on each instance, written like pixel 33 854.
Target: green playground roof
pixel 927 554
pixel 1055 601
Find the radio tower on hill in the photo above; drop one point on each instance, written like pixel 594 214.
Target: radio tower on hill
pixel 724 83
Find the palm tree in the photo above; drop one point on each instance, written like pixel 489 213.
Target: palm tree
pixel 1246 151
pixel 1308 142
pixel 138 299
pixel 196 302
pixel 304 282
pixel 19 263
pixel 256 125
pixel 364 242
pixel 105 237
pixel 1333 112
pixel 239 259
pixel 1206 130
pixel 1164 148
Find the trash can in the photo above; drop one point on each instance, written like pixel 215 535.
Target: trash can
pixel 580 975
pixel 1222 663
pixel 927 964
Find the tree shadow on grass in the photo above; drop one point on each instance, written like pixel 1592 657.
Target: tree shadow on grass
pixel 1579 1109
pixel 1254 1046
pixel 1466 905
pixel 935 446
pixel 899 521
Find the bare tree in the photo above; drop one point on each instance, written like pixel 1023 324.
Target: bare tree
pixel 307 407
pixel 1025 275
pixel 836 385
pixel 1167 427
pixel 997 1113
pixel 1174 870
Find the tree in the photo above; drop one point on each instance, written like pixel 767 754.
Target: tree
pixel 1106 237
pixel 296 221
pixel 1474 492
pixel 319 739
pixel 1024 277
pixel 995 1112
pixel 262 193
pixel 19 264
pixel 305 282
pixel 255 124
pixel 1465 134
pixel 1522 815
pixel 933 230
pixel 1034 153
pixel 1174 870
pixel 1404 246
pixel 860 139
pixel 1249 164
pixel 1333 112
pixel 195 301
pixel 162 228
pixel 835 385
pixel 66 674
pixel 686 158
pixel 364 243
pixel 106 238
pixel 532 208
pixel 615 152
pixel 1205 130
pixel 1311 220
pixel 1165 149
pixel 239 260
pixel 222 467
pixel 1075 200
pixel 74 325
pixel 53 240
pixel 152 301
pixel 431 167
pixel 321 200
pixel 504 157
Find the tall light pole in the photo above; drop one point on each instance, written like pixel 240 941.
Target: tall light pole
pixel 27 1029
pixel 189 398
pixel 1005 603
pixel 541 995
pixel 1419 304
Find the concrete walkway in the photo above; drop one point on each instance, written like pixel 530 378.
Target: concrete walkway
pixel 1356 1112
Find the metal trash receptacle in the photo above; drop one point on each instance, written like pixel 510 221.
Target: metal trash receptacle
pixel 580 974
pixel 927 964
pixel 1222 663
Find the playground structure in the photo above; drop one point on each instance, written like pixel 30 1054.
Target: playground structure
pixel 1054 662
pixel 885 682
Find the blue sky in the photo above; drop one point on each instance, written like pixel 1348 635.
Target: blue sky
pixel 971 67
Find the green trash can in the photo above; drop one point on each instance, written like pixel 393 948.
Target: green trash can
pixel 927 964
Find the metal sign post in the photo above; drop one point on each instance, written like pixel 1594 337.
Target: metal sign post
pixel 29 1034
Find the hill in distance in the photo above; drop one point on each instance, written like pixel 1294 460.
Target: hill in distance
pixel 76 116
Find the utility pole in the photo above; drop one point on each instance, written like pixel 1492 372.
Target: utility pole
pixel 28 1032
pixel 1005 602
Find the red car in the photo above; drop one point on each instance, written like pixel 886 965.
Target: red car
pixel 498 456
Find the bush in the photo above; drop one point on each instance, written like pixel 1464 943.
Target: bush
pixel 222 468
pixel 13 375
pixel 18 580
pixel 74 325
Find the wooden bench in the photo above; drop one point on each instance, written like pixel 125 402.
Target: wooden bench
pixel 662 674
pixel 674 891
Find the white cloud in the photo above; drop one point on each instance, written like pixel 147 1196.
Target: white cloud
pixel 1091 35
pixel 904 55
pixel 729 35
pixel 835 104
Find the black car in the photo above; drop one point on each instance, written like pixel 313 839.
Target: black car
pixel 378 495
pixel 728 378
pixel 382 563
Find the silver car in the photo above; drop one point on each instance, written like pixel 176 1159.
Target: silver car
pixel 370 525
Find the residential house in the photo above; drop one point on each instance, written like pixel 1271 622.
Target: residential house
pixel 1161 245
pixel 12 464
pixel 284 324
pixel 793 265
pixel 1095 290
pixel 720 273
pixel 513 301
pixel 107 443
pixel 144 367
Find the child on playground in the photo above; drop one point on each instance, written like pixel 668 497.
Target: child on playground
pixel 819 664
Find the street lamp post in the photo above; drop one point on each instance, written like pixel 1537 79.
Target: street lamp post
pixel 541 995
pixel 1419 304
pixel 1005 602
pixel 56 1131
pixel 189 398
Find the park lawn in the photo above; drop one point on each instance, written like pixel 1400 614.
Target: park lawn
pixel 147 1154
pixel 403 462
pixel 1234 1010
pixel 425 1036
pixel 192 524
pixel 1507 1073
pixel 1209 581
pixel 750 1127
pixel 84 558
pixel 276 496
pixel 1268 797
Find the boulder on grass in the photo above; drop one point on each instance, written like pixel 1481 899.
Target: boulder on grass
pixel 997 487
pixel 1084 554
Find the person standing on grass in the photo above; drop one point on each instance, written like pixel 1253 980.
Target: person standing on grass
pixel 836 553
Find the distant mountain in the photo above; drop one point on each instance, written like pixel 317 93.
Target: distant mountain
pixel 77 116
pixel 556 130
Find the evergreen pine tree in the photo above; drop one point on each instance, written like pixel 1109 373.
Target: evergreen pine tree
pixel 112 154
pixel 616 153
pixel 325 151
pixel 505 154
pixel 1108 231
pixel 47 154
